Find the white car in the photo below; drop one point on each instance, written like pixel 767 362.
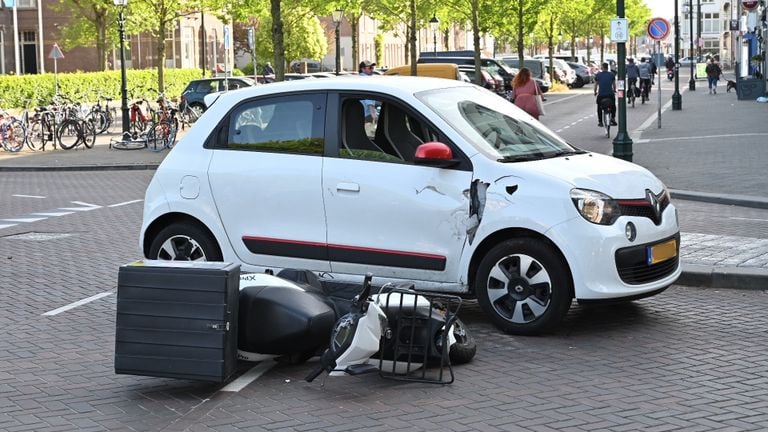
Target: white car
pixel 450 186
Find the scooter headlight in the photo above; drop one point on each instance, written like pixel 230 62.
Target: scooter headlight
pixel 343 333
pixel 595 207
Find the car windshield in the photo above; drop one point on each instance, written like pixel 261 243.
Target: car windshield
pixel 494 126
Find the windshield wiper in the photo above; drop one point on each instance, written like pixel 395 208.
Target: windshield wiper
pixel 521 158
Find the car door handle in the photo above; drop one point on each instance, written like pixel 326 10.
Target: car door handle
pixel 348 187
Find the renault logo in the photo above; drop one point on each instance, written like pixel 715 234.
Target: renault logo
pixel 655 204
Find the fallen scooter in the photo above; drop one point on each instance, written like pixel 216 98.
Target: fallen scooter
pixel 398 332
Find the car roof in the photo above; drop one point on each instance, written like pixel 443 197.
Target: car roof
pixel 394 85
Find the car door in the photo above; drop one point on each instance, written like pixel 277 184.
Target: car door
pixel 386 214
pixel 265 177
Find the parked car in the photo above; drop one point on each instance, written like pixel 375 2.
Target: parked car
pixel 537 67
pixel 486 80
pixel 565 74
pixel 467 58
pixel 195 92
pixel 453 188
pixel 583 74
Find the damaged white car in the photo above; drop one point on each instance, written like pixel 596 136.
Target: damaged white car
pixel 410 178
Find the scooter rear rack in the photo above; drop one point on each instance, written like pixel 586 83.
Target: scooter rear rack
pixel 418 336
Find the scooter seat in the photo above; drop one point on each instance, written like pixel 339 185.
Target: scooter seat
pixel 281 321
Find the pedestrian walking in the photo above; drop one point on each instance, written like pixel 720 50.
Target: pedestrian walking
pixel 713 75
pixel 525 93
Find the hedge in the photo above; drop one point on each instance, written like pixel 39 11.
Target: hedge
pixel 87 86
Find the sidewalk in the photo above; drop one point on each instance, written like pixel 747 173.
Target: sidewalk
pixel 713 150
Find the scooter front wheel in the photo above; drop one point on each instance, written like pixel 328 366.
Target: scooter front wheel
pixel 465 347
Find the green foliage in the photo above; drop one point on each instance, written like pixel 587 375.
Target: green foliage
pixel 378 43
pixel 87 86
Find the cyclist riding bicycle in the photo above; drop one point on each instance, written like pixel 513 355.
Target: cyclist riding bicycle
pixel 605 89
pixel 645 77
pixel 633 72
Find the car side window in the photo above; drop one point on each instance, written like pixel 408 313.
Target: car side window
pixel 205 87
pixel 380 130
pixel 292 124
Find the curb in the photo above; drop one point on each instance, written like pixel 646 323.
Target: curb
pixel 737 200
pixel 749 278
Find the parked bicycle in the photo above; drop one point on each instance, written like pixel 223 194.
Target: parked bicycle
pixel 12 132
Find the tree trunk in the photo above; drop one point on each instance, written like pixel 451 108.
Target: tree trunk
pixel 101 39
pixel 161 57
pixel 277 39
pixel 520 36
pixel 476 40
pixel 412 40
pixel 354 24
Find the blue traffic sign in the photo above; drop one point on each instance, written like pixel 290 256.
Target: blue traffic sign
pixel 658 29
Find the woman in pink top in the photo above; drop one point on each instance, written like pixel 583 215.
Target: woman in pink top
pixel 524 92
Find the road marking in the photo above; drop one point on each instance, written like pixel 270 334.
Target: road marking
pixel 52 214
pixel 254 373
pixel 635 135
pixel 76 304
pixel 7 225
pixel 703 137
pixel 125 203
pixel 28 196
pixel 562 99
pixel 85 206
pixel 24 220
pixel 749 219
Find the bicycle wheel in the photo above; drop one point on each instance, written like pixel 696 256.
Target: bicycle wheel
pixel 89 133
pixel 13 136
pixel 99 121
pixel 68 134
pixel 156 137
pixel 36 136
pixel 607 123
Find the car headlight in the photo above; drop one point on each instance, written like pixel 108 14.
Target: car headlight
pixel 595 207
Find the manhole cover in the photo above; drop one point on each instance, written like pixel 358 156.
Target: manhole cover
pixel 39 236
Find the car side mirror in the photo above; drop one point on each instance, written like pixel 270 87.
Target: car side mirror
pixel 436 154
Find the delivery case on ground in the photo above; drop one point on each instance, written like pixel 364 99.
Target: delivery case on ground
pixel 177 319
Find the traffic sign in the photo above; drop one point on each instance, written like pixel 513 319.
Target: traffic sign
pixel 658 29
pixel 749 4
pixel 250 38
pixel 227 38
pixel 56 53
pixel 619 31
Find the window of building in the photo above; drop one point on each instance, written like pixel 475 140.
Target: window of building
pixel 27 3
pixel 710 23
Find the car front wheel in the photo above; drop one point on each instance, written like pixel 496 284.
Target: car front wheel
pixel 523 285
pixel 184 242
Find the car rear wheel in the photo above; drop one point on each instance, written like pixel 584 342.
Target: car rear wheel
pixel 198 109
pixel 184 242
pixel 523 286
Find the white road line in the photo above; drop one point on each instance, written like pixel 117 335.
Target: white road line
pixel 52 214
pixel 7 225
pixel 28 196
pixel 85 206
pixel 561 99
pixel 76 304
pixel 703 137
pixel 125 203
pixel 749 219
pixel 254 373
pixel 24 220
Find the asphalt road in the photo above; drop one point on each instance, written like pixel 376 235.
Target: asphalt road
pixel 689 358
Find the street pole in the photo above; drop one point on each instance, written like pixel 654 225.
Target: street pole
pixel 622 144
pixel 692 81
pixel 677 98
pixel 698 30
pixel 123 75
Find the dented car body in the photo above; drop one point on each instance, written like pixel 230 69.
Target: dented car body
pixel 411 178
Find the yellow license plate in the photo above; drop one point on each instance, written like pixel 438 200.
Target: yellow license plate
pixel 662 252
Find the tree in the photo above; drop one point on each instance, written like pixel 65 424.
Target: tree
pixel 89 26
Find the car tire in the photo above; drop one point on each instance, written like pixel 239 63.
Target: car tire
pixel 198 109
pixel 523 285
pixel 184 241
pixel 463 351
pixel 579 82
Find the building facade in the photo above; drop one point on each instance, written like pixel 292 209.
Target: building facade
pixel 37 26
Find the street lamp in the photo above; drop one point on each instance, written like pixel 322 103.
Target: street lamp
pixel 123 77
pixel 677 98
pixel 691 82
pixel 559 41
pixel 434 24
pixel 338 14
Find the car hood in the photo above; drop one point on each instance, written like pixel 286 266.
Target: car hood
pixel 614 177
